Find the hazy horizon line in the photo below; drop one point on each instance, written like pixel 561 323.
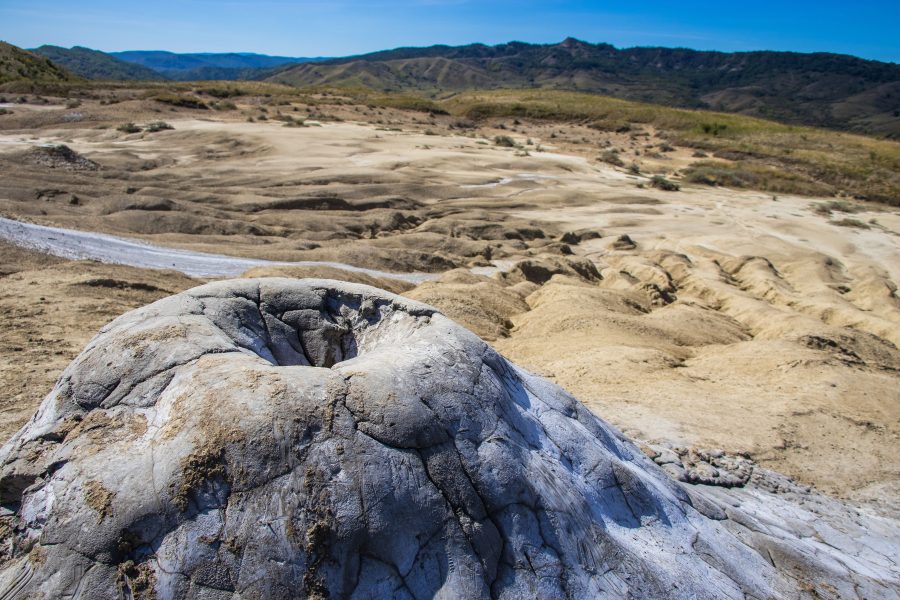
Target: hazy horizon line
pixel 487 44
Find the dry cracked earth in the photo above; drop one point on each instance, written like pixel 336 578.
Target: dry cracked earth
pixel 705 318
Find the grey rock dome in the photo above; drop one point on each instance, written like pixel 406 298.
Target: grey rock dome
pixel 281 438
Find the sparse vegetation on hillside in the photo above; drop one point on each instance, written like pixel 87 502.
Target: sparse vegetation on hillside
pixel 858 95
pixel 223 92
pixel 17 65
pixel 181 100
pixel 748 174
pixel 601 112
pixel 408 102
pixel 763 154
pixel 731 150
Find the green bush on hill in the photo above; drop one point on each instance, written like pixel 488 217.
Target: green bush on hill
pixel 661 183
pixel 611 157
pixel 157 126
pixel 181 100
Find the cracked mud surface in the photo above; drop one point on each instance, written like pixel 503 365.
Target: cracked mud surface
pixel 709 318
pixel 744 322
pixel 275 438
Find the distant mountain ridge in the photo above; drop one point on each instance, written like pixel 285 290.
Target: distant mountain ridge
pixel 208 65
pixel 93 64
pixel 821 89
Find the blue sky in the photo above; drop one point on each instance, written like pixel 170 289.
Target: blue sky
pixel 341 27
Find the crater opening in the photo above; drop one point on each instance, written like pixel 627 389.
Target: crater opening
pixel 312 327
pixel 311 337
pixel 306 323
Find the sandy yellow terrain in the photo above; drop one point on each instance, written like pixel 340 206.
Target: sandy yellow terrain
pixel 705 317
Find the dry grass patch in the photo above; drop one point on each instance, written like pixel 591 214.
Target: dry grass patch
pixel 747 174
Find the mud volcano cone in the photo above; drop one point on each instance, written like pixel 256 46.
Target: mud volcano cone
pixel 279 438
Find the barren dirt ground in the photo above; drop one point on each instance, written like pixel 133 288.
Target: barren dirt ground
pixel 725 318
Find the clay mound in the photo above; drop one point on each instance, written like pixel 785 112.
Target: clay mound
pixel 277 438
pixel 59 156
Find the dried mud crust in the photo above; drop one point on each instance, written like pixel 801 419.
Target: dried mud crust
pixel 49 310
pixel 266 437
pixel 715 259
pixel 701 466
pixel 59 156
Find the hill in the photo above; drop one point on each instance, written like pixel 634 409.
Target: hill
pixel 93 64
pixel 207 66
pixel 17 64
pixel 826 90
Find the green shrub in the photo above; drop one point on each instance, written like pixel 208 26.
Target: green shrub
pixel 407 102
pixel 224 92
pixel 826 208
pixel 611 157
pixel 713 128
pixel 463 124
pixel 181 100
pixel 128 128
pixel 848 222
pixel 504 141
pixel 661 183
pixel 157 126
pixel 320 116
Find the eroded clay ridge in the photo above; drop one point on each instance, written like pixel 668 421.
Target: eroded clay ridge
pixel 279 438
